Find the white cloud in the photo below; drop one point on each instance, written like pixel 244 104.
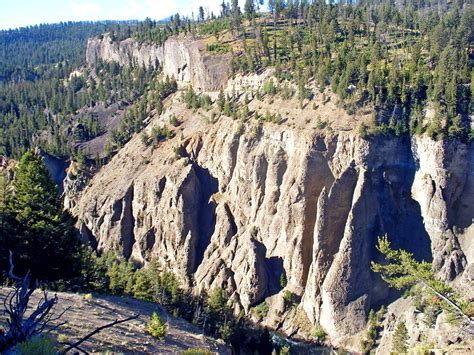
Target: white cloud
pixel 85 10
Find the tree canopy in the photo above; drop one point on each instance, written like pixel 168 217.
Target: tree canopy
pixel 37 230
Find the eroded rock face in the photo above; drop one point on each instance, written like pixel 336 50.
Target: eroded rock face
pixel 184 59
pixel 240 209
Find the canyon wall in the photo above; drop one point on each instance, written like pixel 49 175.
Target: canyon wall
pixel 184 59
pixel 237 208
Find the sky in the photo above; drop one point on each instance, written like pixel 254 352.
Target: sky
pixel 20 13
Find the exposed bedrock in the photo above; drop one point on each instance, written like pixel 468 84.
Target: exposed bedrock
pixel 241 209
pixel 184 59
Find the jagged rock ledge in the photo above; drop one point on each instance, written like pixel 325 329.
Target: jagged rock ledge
pixel 238 209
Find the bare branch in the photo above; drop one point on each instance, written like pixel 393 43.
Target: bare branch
pixel 11 275
pixel 97 330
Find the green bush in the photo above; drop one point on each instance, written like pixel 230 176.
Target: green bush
pixel 320 334
pixel 38 345
pixel 174 121
pixel 218 48
pixel 283 280
pixel 288 297
pixel 261 310
pixel 362 131
pixel 156 327
pixel 269 87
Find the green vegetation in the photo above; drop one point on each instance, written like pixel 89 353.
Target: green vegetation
pixel 261 310
pixel 367 343
pixel 283 281
pixel 402 271
pixel 218 48
pixel 397 59
pixel 196 101
pixel 289 298
pixel 109 273
pixel 320 334
pixel 156 327
pixel 400 338
pixel 38 345
pixel 30 53
pixel 35 228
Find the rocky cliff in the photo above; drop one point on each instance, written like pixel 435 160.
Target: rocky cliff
pixel 184 59
pixel 237 207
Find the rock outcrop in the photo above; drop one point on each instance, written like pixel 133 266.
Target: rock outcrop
pixel 237 209
pixel 184 59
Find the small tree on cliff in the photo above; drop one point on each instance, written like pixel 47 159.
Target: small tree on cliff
pixel 400 338
pixel 402 271
pixel 45 239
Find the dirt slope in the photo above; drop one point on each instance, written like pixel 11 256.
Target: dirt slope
pixel 85 315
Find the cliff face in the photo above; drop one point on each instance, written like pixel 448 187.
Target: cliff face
pixel 238 209
pixel 184 59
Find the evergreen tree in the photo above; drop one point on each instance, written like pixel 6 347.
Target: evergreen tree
pixel 201 13
pixel 235 11
pixel 47 242
pixel 221 100
pixel 249 8
pixel 400 338
pixel 156 327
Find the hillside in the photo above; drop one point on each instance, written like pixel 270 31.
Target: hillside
pixel 85 313
pixel 241 169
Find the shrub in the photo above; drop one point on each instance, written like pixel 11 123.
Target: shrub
pixel 269 87
pixel 283 281
pixel 288 297
pixel 205 102
pixel 62 338
pixel 156 327
pixel 240 128
pixel 362 131
pixel 320 334
pixel 38 345
pixel 218 47
pixel 174 121
pixel 145 138
pixel 254 231
pixel 261 310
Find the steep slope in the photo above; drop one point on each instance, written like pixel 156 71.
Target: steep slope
pixel 85 314
pixel 240 206
pixel 184 59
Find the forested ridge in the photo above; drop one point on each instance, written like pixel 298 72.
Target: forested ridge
pixel 46 50
pixel 404 60
pixel 410 63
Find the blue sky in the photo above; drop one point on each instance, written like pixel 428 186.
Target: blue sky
pixel 19 13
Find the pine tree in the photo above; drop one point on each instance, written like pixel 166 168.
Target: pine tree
pixel 456 128
pixel 8 224
pixel 221 100
pixel 249 8
pixel 235 11
pixel 142 286
pixel 47 243
pixel 400 338
pixel 156 327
